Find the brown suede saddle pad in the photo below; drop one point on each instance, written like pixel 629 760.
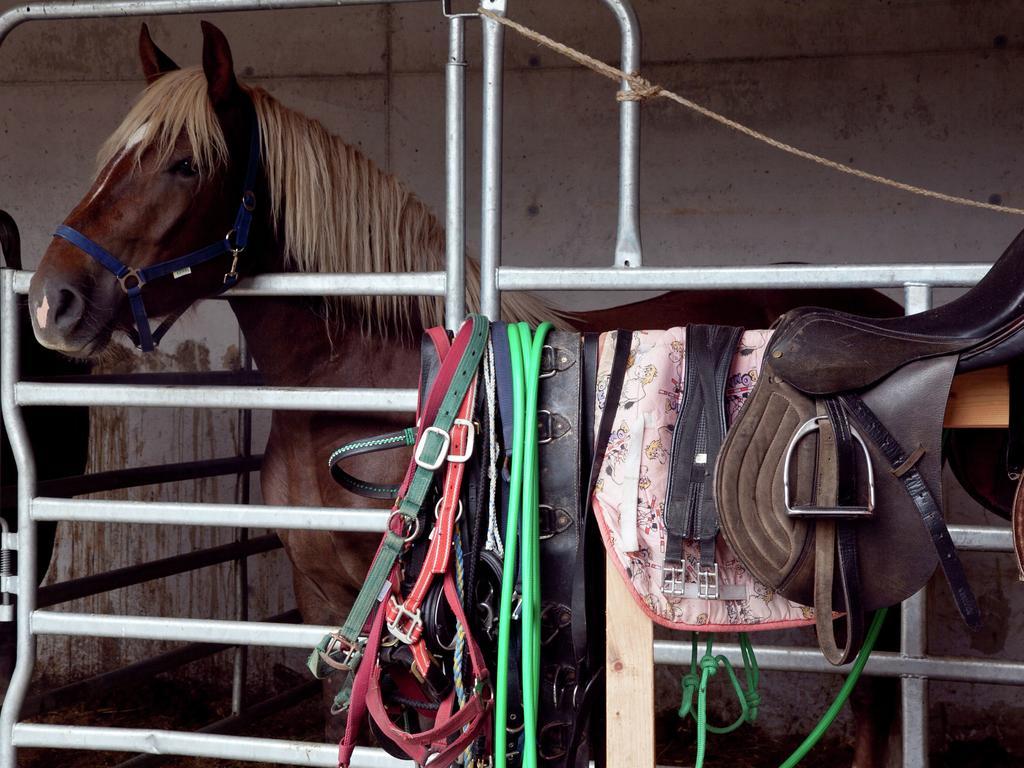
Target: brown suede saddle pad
pixel 828 483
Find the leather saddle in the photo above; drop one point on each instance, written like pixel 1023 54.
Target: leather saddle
pixel 828 483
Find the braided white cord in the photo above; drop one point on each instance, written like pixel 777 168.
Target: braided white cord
pixel 493 536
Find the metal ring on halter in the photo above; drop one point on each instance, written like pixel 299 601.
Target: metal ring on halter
pixel 229 238
pixel 440 503
pixel 131 273
pixel 405 521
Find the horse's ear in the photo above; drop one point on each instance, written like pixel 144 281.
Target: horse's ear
pixel 154 61
pixel 217 64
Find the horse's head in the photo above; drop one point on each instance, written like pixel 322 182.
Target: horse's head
pixel 165 217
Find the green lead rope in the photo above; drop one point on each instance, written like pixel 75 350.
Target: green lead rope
pixel 709 664
pixel 750 699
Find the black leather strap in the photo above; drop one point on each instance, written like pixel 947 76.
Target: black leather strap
pixel 690 509
pixel 917 489
pixel 564 635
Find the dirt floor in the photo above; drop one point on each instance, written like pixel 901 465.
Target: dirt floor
pixel 168 704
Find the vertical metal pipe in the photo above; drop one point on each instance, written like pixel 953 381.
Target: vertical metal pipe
pixel 26 579
pixel 455 173
pixel 914 619
pixel 628 251
pixel 241 653
pixel 490 215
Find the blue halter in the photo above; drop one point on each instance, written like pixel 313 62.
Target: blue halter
pixel 132 280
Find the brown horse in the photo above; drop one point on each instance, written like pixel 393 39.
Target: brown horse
pixel 169 183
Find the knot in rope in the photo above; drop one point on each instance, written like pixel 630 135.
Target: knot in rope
pixel 709 664
pixel 753 699
pixel 640 88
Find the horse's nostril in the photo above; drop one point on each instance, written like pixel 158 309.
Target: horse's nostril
pixel 68 309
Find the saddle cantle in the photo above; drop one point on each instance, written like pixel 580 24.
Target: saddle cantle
pixel 833 466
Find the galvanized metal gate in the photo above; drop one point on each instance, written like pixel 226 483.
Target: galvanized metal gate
pixel 912 664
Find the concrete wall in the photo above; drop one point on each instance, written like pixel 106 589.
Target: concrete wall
pixel 931 93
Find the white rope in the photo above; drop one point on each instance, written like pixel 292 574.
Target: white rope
pixel 493 535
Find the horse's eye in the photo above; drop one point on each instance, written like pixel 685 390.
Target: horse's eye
pixel 186 167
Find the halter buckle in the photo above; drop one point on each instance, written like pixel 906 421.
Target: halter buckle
pixel 131 274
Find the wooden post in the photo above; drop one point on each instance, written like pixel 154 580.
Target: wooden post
pixel 629 665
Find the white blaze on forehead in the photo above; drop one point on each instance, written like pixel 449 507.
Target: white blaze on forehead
pixel 138 135
pixel 42 311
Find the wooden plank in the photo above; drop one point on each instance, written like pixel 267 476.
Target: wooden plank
pixel 979 399
pixel 629 665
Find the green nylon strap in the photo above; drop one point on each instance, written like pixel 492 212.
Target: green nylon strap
pixel 429 452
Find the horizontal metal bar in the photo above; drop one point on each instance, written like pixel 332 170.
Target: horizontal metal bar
pixel 250 715
pixel 76 589
pixel 82 9
pixel 352 520
pixel 982 538
pixel 720 278
pixel 201 379
pixel 374 400
pixel 882 664
pixel 271 751
pixel 258 633
pixel 318 284
pixel 90 687
pixel 78 485
pixel 342 284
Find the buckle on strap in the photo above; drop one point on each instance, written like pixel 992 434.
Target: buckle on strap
pixel 334 647
pixel 442 453
pixel 412 630
pixel 838 511
pixel 707 582
pixel 463 457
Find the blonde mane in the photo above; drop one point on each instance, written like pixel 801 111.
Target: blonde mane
pixel 332 208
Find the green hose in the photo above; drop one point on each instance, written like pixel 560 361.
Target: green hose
pixel 844 693
pixel 525 351
pixel 531 351
pixel 508 571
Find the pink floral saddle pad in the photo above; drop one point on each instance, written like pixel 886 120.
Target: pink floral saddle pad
pixel 632 483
